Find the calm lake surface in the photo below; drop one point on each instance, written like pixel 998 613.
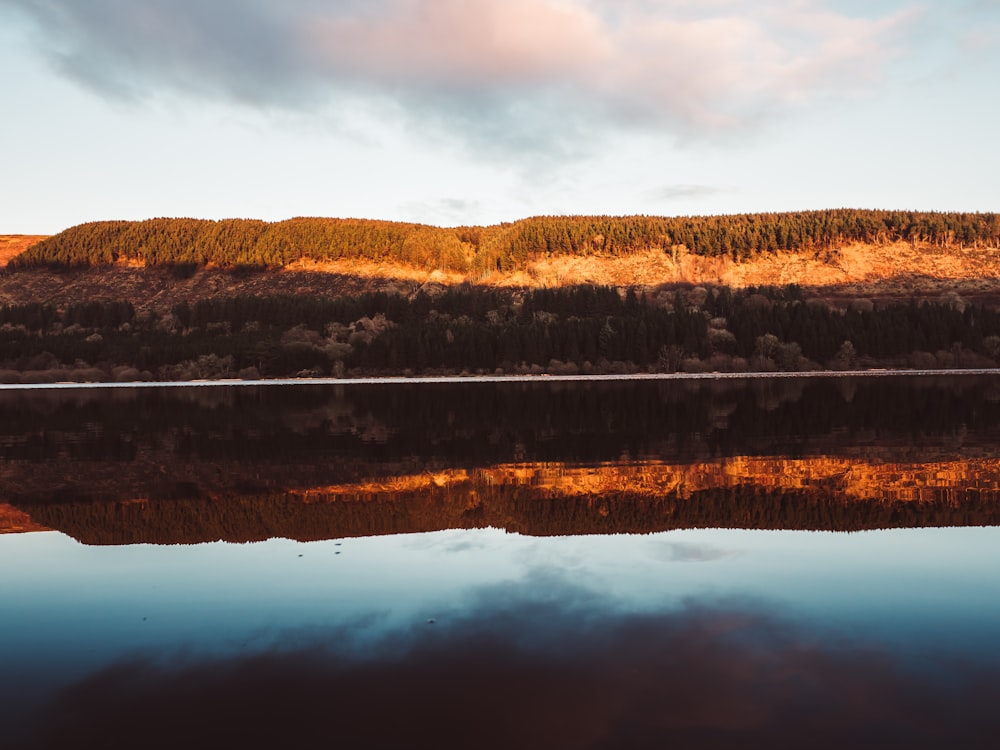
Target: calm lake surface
pixel 581 565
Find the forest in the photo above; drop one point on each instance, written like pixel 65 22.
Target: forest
pixel 244 244
pixel 242 518
pixel 482 330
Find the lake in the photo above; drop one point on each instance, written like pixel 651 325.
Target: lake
pixel 755 562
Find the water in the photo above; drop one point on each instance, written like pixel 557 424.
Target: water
pixel 493 565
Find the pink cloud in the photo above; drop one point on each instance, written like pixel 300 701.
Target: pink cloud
pixel 521 66
pixel 694 65
pixel 457 42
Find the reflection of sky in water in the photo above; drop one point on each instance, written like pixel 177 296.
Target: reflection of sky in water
pixel 69 609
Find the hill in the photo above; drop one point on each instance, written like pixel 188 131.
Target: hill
pixel 895 271
pixel 480 252
pixel 844 253
pixel 184 298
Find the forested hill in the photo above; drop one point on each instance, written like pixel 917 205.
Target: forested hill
pixel 502 247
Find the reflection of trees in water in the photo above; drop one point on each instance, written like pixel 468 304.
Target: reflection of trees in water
pixel 522 508
pixel 481 423
pixel 206 462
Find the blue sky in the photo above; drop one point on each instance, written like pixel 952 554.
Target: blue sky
pixel 478 111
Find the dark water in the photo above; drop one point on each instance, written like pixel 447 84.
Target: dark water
pixel 519 565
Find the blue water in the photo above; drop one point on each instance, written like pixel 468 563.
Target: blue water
pixel 483 638
pixel 920 607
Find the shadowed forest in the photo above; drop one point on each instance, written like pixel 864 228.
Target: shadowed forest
pixel 482 330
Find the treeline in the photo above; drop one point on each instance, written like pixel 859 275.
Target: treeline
pixel 517 509
pixel 250 244
pixel 479 330
pixel 738 236
pixel 243 243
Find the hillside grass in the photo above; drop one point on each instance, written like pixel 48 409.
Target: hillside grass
pixel 12 245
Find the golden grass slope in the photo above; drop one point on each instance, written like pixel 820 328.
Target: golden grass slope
pixel 896 270
pixel 15 244
pixel 910 265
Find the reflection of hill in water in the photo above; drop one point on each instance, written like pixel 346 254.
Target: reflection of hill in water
pixel 15 521
pixel 186 465
pixel 822 493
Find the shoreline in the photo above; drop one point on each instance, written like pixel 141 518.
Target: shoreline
pixel 459 379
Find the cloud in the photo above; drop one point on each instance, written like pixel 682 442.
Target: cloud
pixel 685 191
pixel 442 211
pixel 537 672
pixel 503 73
pixel 242 50
pixel 982 42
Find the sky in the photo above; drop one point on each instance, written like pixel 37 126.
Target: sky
pixel 454 112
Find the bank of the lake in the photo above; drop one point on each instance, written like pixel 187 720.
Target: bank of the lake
pixel 465 379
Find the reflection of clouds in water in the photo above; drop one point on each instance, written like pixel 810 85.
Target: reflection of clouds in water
pixel 537 664
pixel 453 541
pixel 686 552
pixel 542 587
pixel 468 545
